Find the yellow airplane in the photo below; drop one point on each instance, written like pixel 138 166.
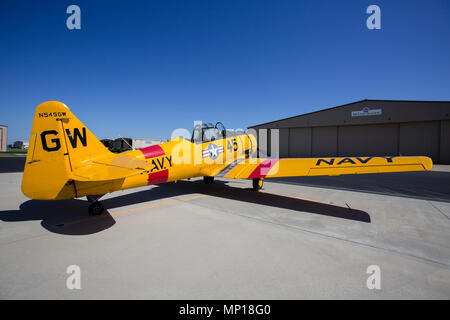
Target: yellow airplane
pixel 65 160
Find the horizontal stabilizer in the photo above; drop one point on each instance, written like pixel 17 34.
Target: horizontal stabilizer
pixel 110 168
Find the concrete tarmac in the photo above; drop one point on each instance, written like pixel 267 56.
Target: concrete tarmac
pixel 12 164
pixel 189 240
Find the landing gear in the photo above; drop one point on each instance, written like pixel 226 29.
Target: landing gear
pixel 257 184
pixel 96 207
pixel 208 180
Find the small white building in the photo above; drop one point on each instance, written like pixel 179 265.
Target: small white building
pixel 3 138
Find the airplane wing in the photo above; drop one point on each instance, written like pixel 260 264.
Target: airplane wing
pixel 291 167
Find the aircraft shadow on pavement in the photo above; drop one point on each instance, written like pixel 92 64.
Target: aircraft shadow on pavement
pixel 222 190
pixel 424 185
pixel 57 216
pixel 70 217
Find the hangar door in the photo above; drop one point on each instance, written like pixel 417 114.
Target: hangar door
pixel 368 140
pixel 299 142
pixel 420 139
pixel 324 141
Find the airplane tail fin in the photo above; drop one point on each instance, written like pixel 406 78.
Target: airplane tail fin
pixel 59 143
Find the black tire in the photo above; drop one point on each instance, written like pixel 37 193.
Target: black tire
pixel 257 184
pixel 96 208
pixel 208 180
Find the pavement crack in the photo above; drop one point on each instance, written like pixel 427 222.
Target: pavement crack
pixel 432 204
pixel 24 239
pixel 299 228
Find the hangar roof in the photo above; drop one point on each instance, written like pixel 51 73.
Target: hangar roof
pixel 367 112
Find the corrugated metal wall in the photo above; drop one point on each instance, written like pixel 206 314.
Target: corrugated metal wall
pixel 429 138
pixel 444 146
pixel 399 127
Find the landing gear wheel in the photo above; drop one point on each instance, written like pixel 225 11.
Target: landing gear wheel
pixel 208 180
pixel 257 184
pixel 96 208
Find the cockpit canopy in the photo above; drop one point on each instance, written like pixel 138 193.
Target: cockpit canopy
pixel 208 132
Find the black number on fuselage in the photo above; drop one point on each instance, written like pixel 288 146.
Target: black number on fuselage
pixel 232 146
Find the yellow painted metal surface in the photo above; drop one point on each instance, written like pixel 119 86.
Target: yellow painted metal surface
pixel 65 160
pixel 269 168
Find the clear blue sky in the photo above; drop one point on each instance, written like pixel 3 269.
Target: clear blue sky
pixel 144 68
